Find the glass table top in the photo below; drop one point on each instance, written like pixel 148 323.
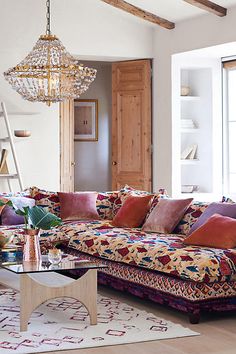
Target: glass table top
pixel 68 262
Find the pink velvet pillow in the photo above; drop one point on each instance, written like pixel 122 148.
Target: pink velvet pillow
pixel 166 215
pixel 80 205
pixel 133 211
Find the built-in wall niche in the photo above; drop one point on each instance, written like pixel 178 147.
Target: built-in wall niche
pixel 196 142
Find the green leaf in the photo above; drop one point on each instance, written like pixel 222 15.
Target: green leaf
pixel 42 219
pixel 2 203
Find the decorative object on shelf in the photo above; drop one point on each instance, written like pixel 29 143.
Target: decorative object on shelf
pixel 189 188
pixel 189 153
pixel 86 120
pixel 185 90
pixel 188 124
pixel 22 133
pixel 49 73
pixel 3 162
pixel 54 256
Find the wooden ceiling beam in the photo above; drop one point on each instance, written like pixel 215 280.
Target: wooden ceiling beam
pixel 136 11
pixel 209 6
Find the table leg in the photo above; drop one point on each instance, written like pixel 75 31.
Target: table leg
pixel 33 293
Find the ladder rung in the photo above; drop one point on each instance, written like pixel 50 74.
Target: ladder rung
pixel 5 139
pixel 9 175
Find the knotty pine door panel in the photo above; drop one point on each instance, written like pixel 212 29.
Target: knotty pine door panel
pixel 131 125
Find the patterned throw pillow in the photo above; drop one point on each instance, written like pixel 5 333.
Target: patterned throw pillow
pixel 190 217
pixel 46 199
pixel 105 201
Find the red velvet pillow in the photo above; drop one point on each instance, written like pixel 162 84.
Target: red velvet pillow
pixel 218 231
pixel 80 205
pixel 133 211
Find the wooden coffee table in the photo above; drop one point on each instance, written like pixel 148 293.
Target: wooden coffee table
pixel 39 282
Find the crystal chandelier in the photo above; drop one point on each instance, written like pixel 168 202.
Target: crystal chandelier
pixel 49 73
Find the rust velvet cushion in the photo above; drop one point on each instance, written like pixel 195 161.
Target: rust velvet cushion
pixel 133 211
pixel 166 215
pixel 218 231
pixel 80 205
pixel 225 209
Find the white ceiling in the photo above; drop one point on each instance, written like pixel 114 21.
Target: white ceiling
pixel 176 10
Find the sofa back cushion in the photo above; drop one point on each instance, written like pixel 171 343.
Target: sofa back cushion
pixel 191 215
pixel 104 204
pixel 46 199
pixel 108 203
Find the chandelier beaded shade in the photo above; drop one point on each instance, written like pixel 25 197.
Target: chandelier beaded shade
pixel 49 73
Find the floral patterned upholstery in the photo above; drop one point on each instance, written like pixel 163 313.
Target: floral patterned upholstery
pixel 190 217
pixel 164 253
pixel 105 202
pixel 46 199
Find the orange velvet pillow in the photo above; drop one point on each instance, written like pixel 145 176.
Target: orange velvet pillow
pixel 133 211
pixel 218 231
pixel 80 205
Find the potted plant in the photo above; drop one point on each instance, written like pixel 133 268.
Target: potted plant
pixel 36 218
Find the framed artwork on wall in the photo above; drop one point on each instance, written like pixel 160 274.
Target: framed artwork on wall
pixel 86 120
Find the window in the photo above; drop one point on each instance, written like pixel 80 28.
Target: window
pixel 230 128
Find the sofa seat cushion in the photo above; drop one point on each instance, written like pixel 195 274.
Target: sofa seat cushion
pixel 61 234
pixel 164 253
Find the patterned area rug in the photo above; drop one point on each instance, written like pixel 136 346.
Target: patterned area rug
pixel 61 324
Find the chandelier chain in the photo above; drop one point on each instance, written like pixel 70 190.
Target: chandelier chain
pixel 48 17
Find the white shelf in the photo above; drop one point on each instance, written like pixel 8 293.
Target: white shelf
pixel 201 196
pixel 189 162
pixel 189 130
pixel 189 98
pixel 16 139
pixel 9 175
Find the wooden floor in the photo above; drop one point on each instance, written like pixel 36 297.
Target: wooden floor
pixel 218 332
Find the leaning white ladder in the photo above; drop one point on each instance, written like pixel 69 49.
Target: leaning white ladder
pixel 9 138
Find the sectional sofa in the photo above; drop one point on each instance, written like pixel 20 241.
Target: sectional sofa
pixel 158 267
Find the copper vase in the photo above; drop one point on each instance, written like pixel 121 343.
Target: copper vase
pixel 32 251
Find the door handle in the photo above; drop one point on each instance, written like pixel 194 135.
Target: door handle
pixel 114 163
pixel 72 163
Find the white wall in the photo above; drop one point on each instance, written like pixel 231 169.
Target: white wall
pixel 200 32
pixel 86 28
pixel 92 159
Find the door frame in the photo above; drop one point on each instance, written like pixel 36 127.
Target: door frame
pixel 66 116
